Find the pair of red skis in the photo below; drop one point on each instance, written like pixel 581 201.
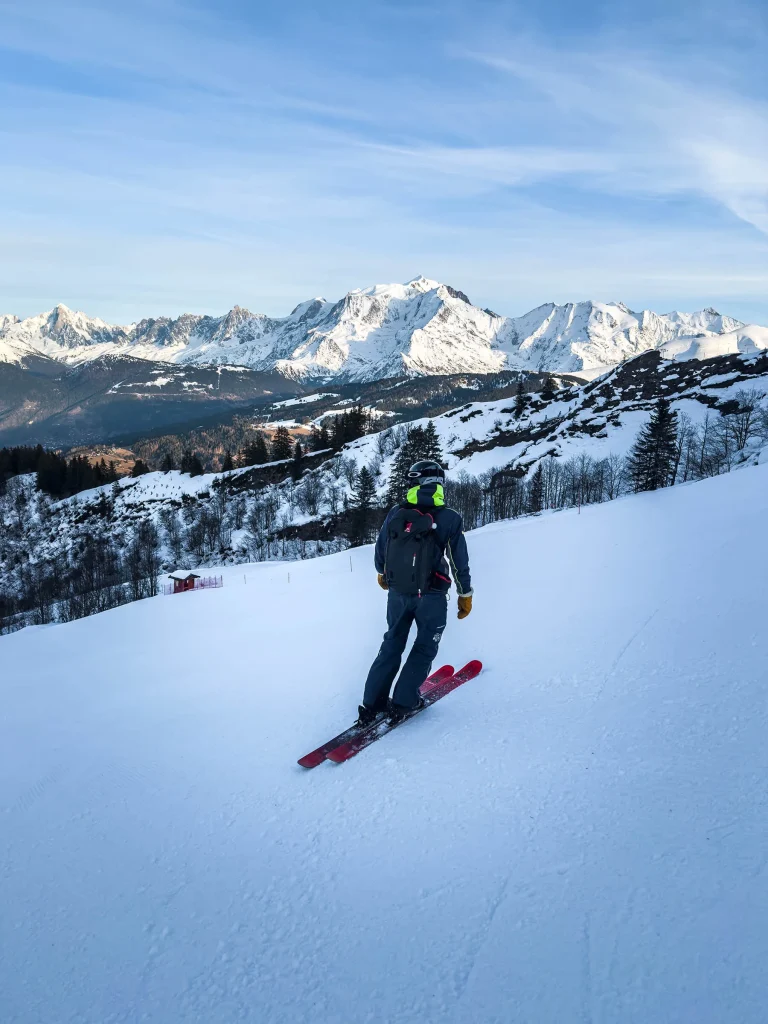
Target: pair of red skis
pixel 357 738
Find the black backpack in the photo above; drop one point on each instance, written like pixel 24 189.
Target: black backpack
pixel 410 551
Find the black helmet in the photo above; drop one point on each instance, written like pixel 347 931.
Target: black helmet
pixel 426 472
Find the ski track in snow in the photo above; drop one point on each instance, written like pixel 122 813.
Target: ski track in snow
pixel 577 835
pixel 474 948
pixel 624 650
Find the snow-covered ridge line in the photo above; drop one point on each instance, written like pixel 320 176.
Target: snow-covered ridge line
pixel 421 327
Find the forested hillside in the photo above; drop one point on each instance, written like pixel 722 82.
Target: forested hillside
pixel 648 424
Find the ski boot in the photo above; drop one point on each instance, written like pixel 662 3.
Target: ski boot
pixel 397 712
pixel 367 716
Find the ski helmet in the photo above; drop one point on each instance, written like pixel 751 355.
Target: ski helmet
pixel 426 472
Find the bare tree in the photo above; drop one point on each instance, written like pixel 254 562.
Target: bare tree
pixel 707 444
pixel 147 540
pixel 333 498
pixel 745 423
pixel 169 520
pixel 386 443
pixel 686 452
pixel 465 494
pixel 237 512
pixel 614 477
pixel 309 494
pixel 349 468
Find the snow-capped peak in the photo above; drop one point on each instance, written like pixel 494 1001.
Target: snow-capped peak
pixel 420 327
pixel 422 284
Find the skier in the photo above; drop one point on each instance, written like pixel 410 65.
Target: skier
pixel 410 560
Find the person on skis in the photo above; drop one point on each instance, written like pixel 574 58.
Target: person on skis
pixel 418 540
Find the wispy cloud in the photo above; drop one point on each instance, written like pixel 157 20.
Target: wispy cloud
pixel 655 131
pixel 190 155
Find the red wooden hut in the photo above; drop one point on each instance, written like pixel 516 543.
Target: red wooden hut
pixel 182 583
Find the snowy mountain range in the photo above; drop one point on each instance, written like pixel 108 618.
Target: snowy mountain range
pixel 422 327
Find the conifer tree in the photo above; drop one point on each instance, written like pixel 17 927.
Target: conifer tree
pixel 282 446
pixel 255 452
pixel 357 423
pixel 51 473
pixel 548 390
pixel 103 506
pixel 652 457
pixel 139 468
pixel 319 438
pixel 415 443
pixel 521 399
pixel 362 505
pixel 324 438
pixel 421 443
pixel 298 461
pixel 348 426
pixel 535 501
pixel 431 444
pixel 167 464
pixel 227 462
pixel 398 478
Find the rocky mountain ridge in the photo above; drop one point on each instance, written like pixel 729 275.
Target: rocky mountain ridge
pixel 422 327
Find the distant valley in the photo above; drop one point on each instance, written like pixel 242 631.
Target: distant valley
pixel 116 399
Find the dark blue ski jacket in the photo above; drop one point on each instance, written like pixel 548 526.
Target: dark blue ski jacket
pixel 450 549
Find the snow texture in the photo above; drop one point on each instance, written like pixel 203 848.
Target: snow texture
pixel 580 834
pixel 422 327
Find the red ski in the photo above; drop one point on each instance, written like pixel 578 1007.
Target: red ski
pixel 317 757
pixel 353 746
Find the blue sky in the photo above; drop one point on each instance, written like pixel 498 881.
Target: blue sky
pixel 159 157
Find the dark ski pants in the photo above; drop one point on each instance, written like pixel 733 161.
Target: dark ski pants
pixel 430 613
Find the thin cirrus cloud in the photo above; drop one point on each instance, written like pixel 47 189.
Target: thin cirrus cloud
pixel 168 154
pixel 661 135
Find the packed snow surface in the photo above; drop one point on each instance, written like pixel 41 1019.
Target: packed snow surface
pixel 306 400
pixel 579 834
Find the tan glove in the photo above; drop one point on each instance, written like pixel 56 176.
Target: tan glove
pixel 465 605
pixel 382 580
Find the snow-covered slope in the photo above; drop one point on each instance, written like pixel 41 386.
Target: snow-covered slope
pixel 579 834
pixel 595 335
pixel 599 420
pixel 422 327
pixel 61 334
pixel 747 340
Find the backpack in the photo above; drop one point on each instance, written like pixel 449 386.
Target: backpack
pixel 410 559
